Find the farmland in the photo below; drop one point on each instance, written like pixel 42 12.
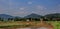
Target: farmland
pixel 22 24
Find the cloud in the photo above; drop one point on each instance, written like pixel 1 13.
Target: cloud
pixel 21 11
pixel 22 8
pixel 29 2
pixel 57 8
pixel 3 11
pixel 38 7
pixel 18 13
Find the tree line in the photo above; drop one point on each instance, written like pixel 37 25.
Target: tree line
pixel 30 19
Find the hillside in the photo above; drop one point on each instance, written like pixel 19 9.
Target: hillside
pixel 55 15
pixel 33 15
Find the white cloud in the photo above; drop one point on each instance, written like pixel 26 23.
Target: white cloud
pixel 22 8
pixel 33 12
pixel 40 7
pixel 19 13
pixel 29 2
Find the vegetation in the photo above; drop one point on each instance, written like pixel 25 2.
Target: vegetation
pixel 56 24
pixel 54 19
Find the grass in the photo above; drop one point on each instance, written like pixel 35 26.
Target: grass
pixel 56 24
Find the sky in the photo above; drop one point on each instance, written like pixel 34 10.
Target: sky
pixel 25 7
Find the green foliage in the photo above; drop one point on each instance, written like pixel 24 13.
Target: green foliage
pixel 53 16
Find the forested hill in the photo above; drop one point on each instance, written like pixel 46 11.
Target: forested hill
pixel 55 15
pixel 33 15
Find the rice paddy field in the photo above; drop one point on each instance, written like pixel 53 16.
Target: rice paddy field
pixel 22 24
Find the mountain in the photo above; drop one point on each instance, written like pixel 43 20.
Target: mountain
pixel 33 15
pixel 55 15
pixel 5 16
pixel 17 17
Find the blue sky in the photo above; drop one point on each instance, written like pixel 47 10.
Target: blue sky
pixel 26 7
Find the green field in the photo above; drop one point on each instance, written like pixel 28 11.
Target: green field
pixel 56 24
